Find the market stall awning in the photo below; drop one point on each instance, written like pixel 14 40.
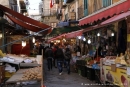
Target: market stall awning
pixel 62 24
pixel 74 34
pixel 62 30
pixel 24 21
pixel 117 9
pixel 116 18
pixel 57 37
pixel 109 21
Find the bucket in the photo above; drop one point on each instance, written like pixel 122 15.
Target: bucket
pixel 39 59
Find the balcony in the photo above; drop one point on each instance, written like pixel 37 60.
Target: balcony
pixel 59 13
pixel 80 12
pixel 72 15
pixel 56 1
pixel 69 1
pixel 49 12
pixel 64 5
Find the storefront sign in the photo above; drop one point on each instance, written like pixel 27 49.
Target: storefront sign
pixel 119 77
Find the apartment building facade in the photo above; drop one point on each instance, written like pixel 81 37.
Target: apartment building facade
pixel 48 15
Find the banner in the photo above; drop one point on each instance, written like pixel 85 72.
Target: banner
pixel 119 77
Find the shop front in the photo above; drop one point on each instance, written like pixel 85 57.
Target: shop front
pixel 107 41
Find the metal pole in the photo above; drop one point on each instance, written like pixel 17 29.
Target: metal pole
pixel 3 38
pixel 23 38
pixel 42 67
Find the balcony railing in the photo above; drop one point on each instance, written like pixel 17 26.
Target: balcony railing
pixel 49 12
pixel 69 1
pixel 80 12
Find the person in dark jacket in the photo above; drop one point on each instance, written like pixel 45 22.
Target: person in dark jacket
pixel 67 59
pixel 49 55
pixel 60 59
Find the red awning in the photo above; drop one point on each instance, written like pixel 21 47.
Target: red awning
pixel 25 21
pixel 106 13
pixel 116 18
pixel 30 27
pixel 58 37
pixel 74 34
pixel 68 35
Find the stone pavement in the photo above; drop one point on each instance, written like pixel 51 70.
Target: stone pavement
pixel 53 79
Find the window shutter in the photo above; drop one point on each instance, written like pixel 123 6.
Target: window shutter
pixel 85 7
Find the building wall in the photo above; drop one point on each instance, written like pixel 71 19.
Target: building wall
pixel 49 14
pixel 4 2
pixel 96 5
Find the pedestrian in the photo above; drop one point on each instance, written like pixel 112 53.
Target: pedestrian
pixel 67 59
pixel 54 48
pixel 49 55
pixel 78 51
pixel 60 59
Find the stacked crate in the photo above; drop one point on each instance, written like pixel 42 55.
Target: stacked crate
pixel 2 74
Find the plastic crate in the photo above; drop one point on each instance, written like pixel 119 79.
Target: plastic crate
pixel 84 71
pixel 97 76
pixel 79 71
pixel 8 74
pixel 90 74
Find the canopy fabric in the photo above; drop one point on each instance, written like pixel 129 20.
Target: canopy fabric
pixel 67 35
pixel 106 13
pixel 63 30
pixel 109 21
pixel 116 18
pixel 62 24
pixel 29 22
pixel 74 34
pixel 58 37
pixel 32 28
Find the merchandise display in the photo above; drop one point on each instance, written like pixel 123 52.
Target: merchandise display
pixel 32 74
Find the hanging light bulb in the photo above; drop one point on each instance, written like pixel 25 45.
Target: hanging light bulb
pixel 0 35
pixel 89 41
pixel 98 34
pixel 112 34
pixel 33 40
pixel 23 43
pixel 84 39
pixel 79 37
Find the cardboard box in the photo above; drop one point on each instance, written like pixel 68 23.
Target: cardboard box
pixel 113 67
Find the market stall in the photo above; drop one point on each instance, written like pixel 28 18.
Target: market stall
pixel 116 70
pixel 24 75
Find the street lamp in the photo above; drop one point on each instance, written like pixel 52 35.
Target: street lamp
pixel 0 35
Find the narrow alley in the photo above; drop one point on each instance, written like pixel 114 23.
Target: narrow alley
pixel 53 79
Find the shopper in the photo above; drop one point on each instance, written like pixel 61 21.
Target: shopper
pixel 78 51
pixel 54 48
pixel 67 59
pixel 49 55
pixel 60 59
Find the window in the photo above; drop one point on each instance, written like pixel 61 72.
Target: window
pixel 85 7
pixel 53 25
pixel 85 4
pixel 106 3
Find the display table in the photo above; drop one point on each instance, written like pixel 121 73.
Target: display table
pixel 118 77
pixel 16 79
pixel 34 64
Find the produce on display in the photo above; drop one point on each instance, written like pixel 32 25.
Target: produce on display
pixel 32 74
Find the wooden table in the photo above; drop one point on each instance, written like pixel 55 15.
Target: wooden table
pixel 16 79
pixel 34 64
